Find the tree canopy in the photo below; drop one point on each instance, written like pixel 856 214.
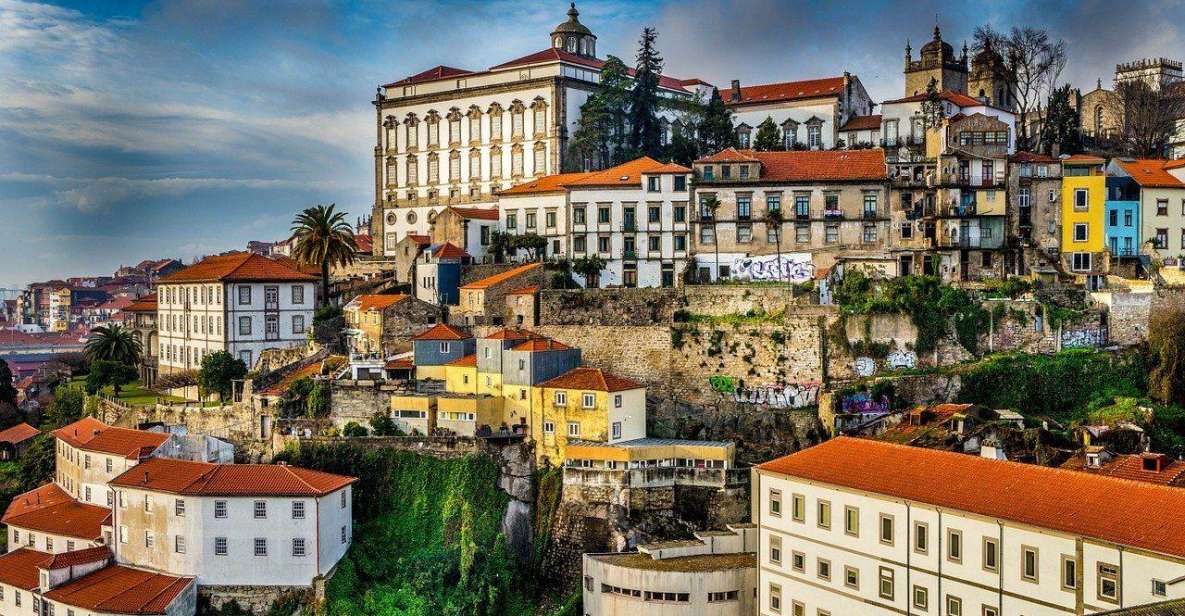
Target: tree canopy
pixel 645 129
pixel 219 372
pixel 113 343
pixel 323 237
pixel 106 372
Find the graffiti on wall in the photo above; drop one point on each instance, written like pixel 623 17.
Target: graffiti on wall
pixel 901 359
pixel 863 404
pixel 794 267
pixel 1082 338
pixel 781 396
pixel 864 366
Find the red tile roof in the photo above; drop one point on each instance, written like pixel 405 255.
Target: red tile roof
pixel 816 165
pixel 148 303
pixel 786 91
pixel 449 251
pixel 868 122
pixel 399 364
pixel 1084 159
pixel 117 589
pixel 1031 157
pixel 285 383
pixel 728 155
pixel 239 266
pixel 1150 173
pixel 1175 164
pixel 559 55
pixel 432 74
pixel 90 434
pixel 377 302
pixel 531 290
pixel 1129 513
pixel 78 557
pixel 958 98
pixel 118 303
pixel 205 479
pixel 420 239
pixel 540 343
pixel 626 174
pixel 476 212
pixel 18 433
pixel 49 509
pixel 501 277
pixel 468 361
pixel 363 242
pixel 591 379
pixel 443 331
pixel 545 184
pixel 1131 467
pixel 19 568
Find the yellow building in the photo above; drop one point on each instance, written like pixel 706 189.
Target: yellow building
pixel 651 453
pixel 1084 194
pixel 460 376
pixel 585 405
pixel 364 319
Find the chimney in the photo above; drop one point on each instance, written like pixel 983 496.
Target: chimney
pixel 145 476
pixel 736 90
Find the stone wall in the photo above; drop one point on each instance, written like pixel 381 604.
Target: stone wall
pixel 1128 315
pixel 256 599
pixel 633 307
pixel 359 401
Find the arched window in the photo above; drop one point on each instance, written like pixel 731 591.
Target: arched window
pixel 572 44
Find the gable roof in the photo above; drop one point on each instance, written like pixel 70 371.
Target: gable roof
pixel 1129 513
pixel 90 434
pixel 540 343
pixel 422 240
pixel 868 122
pixel 728 155
pixel 501 277
pixel 545 184
pixel 50 509
pixel 465 362
pixel 786 91
pixel 627 174
pixel 1083 159
pixel 19 568
pixel 1150 172
pixel 206 479
pixel 1031 157
pixel 813 165
pixel 18 433
pixel 436 72
pixel 148 303
pixel 593 379
pixel 377 302
pixel 239 266
pixel 448 250
pixel 477 213
pixel 958 98
pixel 117 589
pixel 443 331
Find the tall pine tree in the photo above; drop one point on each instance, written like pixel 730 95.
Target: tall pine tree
pixel 767 138
pixel 600 132
pixel 716 131
pixel 645 131
pixel 1062 133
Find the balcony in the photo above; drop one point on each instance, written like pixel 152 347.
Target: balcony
pixel 802 216
pixel 629 226
pixel 870 214
pixel 630 255
pixel 959 210
pixel 833 214
pixel 962 180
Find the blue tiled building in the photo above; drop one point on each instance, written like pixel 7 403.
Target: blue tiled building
pixel 1122 218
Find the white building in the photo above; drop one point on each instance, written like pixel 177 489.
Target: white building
pixel 450 136
pixel 241 303
pixel 714 574
pixel 808 113
pixel 634 216
pixel 856 526
pixel 232 524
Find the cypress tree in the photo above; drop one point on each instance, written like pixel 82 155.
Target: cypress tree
pixel 645 131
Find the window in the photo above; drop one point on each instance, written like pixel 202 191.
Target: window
pixel 869 234
pixel 179 507
pixel 1069 573
pixel 220 509
pixel 147 503
pixel 344 499
pixel 954 606
pixel 654 243
pixel 244 295
pixel 549 427
pixel 707 235
pixel 802 233
pixel 298 547
pixel 530 220
pixel 179 544
pixel 603 214
pixel 775 598
pixel 298 323
pixel 1108 589
pixel 615 430
pixel 851 577
pixel 775 503
pixel 561 398
pixel 260 510
pixel 1162 207
pixel 86 461
pixel 1159 588
pixel 1028 563
pixel 260 546
pixel 1081 230
pixel 588 400
pixel 744 234
pixel 297 294
pixel 680 213
pixel 573 429
pixel 814 136
pixel 797 608
pixel 798 507
pixel 851 521
pixel 921 538
pixel 1080 261
pixel 775 549
pixel 823 569
pixel 798 562
pixel 1023 196
pixel 989 610
pixel 869 205
pixel 49 544
pixel 653 183
pixel 823 511
pixel 1162 238
pixel 617 400
pixel 885 587
pixel 444 347
pixel 1081 199
pixel 220 546
pixel 343 534
pixel 886 529
pixel 244 326
pixel 108 465
pixel 831 234
pixel 991 554
pixel 744 206
pixel 954 545
pixel 921 597
pixel 722 596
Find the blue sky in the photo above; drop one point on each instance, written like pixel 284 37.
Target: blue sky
pixel 133 130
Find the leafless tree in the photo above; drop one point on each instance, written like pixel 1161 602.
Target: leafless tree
pixel 1147 116
pixel 1033 63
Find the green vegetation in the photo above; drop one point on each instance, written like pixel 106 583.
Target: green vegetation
pixel 755 316
pixel 105 372
pixel 323 237
pixel 113 343
pixel 317 403
pixel 132 394
pixel 219 372
pixel 427 536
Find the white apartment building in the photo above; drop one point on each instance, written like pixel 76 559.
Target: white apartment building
pixel 635 216
pixel 232 524
pixel 856 526
pixel 809 114
pixel 450 136
pixel 241 303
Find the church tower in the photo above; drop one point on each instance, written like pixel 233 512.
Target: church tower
pixel 936 61
pixel 574 37
pixel 990 79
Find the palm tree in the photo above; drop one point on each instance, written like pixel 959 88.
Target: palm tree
pixel 323 237
pixel 774 220
pixel 712 205
pixel 113 343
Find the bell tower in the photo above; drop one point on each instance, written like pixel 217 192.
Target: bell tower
pixel 574 37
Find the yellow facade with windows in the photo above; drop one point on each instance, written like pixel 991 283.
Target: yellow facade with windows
pixel 562 415
pixel 460 379
pixel 1083 203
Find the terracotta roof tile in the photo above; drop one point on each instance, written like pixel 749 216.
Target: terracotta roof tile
pixel 786 91
pixel 78 557
pixel 148 303
pixel 727 155
pixel 400 364
pixel 1131 467
pixel 1031 157
pixel 593 379
pixel 279 389
pixel 1084 159
pixel 239 266
pixel 443 331
pixel 515 333
pixel 868 122
pixel 1175 164
pixel 531 290
pixel 18 433
pixel 626 174
pixel 422 240
pixel 448 250
pixel 1129 513
pixel 377 302
pixel 363 242
pixel 501 277
pixel 1150 173
pixel 117 589
pixel 545 184
pixel 958 98
pixel 205 479
pixel 479 213
pixel 90 434
pixel 816 165
pixel 432 74
pixel 50 509
pixel 540 343
pixel 465 362
pixel 553 55
pixel 19 568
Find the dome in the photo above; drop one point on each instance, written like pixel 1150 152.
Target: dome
pixel 987 58
pixel 938 46
pixel 573 25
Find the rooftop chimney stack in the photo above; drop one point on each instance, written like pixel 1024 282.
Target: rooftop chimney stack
pixel 736 90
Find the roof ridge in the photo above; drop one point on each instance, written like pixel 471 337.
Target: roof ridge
pixel 292 471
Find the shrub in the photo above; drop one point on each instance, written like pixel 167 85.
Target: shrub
pixel 352 429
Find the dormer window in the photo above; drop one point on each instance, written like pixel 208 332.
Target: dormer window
pixel 1093 460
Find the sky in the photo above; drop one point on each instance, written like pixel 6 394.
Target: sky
pixel 136 130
